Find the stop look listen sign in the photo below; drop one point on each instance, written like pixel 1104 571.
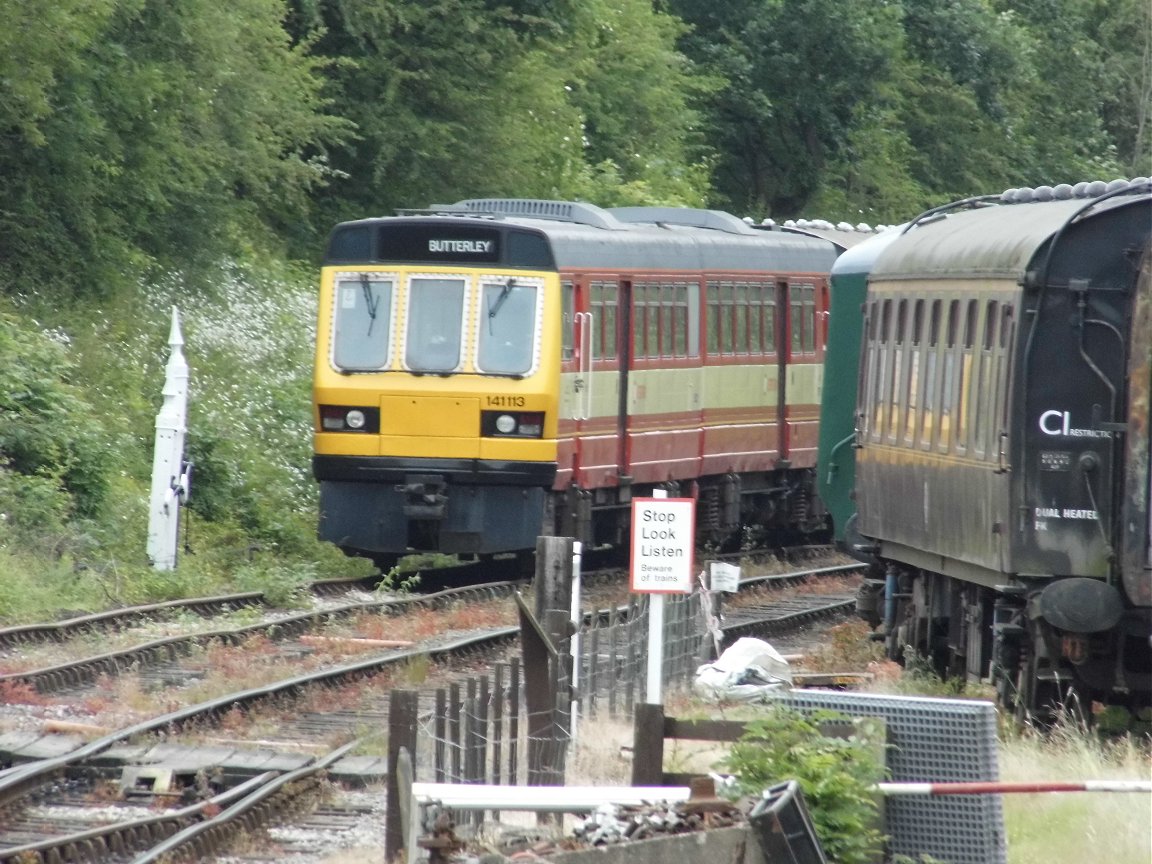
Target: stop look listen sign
pixel 663 531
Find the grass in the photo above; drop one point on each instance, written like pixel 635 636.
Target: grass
pixel 1076 826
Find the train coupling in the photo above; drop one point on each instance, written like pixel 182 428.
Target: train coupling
pixel 424 496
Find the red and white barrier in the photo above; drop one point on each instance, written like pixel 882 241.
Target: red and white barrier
pixel 1005 788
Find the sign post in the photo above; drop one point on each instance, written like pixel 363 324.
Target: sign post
pixel 663 533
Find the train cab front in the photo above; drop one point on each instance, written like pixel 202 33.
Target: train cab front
pixel 435 409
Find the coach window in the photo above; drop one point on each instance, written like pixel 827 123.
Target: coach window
pixel 769 319
pixel 727 302
pixel 652 315
pixel 435 313
pixel 795 317
pixel 985 379
pixel 931 391
pixel 712 292
pixel 864 372
pixel 949 395
pixel 604 296
pixel 741 331
pixel 899 370
pixel 667 320
pixel 756 318
pixel 507 326
pixel 680 318
pixel 964 387
pixel 912 400
pixel 1004 375
pixel 639 320
pixel 808 319
pixel 362 321
pixel 568 325
pixel 880 381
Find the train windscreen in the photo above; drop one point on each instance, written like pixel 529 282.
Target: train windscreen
pixel 507 322
pixel 435 315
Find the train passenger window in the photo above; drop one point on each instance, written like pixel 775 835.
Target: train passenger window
pixel 1005 361
pixel 895 394
pixel 680 319
pixel 362 321
pixel 880 382
pixel 912 415
pixel 741 330
pixel 604 296
pixel 507 343
pixel 639 319
pixel 712 292
pixel 930 408
pixel 755 318
pixel 985 379
pixel 667 329
pixel 727 301
pixel 769 320
pixel 964 387
pixel 568 325
pixel 808 319
pixel 796 318
pixel 652 318
pixel 948 394
pixel 435 314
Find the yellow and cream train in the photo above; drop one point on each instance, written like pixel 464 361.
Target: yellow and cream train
pixel 492 371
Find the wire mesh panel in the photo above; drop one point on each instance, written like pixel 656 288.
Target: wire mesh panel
pixel 939 741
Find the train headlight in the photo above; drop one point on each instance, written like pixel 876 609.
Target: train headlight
pixel 345 418
pixel 512 424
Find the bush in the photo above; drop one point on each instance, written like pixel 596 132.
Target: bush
pixel 48 431
pixel 835 775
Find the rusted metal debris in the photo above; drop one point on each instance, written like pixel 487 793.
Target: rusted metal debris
pixel 608 825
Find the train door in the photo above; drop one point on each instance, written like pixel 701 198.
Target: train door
pixel 784 326
pixel 624 352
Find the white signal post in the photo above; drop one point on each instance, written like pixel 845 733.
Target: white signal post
pixel 663 530
pixel 169 477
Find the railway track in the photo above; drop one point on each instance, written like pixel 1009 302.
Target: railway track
pixel 81 803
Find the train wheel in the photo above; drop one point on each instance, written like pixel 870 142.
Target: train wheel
pixel 385 563
pixel 1043 699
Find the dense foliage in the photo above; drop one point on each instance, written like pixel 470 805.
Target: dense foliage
pixel 836 775
pixel 137 131
pixel 158 154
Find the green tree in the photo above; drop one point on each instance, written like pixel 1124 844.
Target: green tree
pixel 466 98
pixel 142 130
pixel 643 138
pixel 1057 127
pixel 796 73
pixel 1125 36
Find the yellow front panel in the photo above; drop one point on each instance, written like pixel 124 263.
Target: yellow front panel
pixel 518 449
pixel 433 416
pixel 345 444
pixel 430 447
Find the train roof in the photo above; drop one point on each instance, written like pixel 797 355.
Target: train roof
pixel 861 257
pixel 630 238
pixel 989 237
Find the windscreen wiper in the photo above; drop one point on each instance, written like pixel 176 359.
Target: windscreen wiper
pixel 504 292
pixel 371 300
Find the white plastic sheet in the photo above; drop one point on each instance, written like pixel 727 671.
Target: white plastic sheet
pixel 749 670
